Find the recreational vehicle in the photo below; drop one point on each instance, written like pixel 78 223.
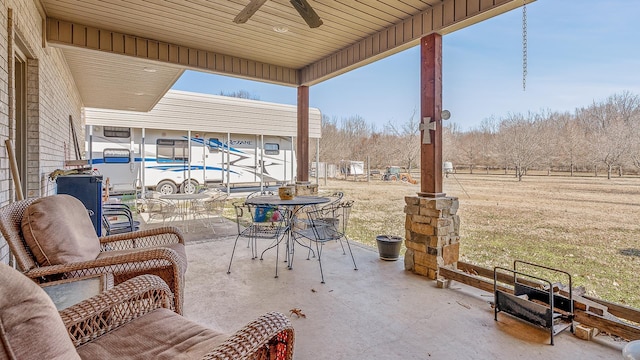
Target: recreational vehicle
pixel 192 139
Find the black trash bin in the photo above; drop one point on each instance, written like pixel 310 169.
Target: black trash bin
pixel 389 247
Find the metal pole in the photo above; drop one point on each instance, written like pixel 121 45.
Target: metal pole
pixel 325 174
pixel 132 148
pixel 293 161
pixel 228 162
pixel 189 151
pixel 142 165
pixel 222 162
pixel 317 161
pixel 204 158
pixel 284 169
pixel 255 159
pixel 90 131
pixel 261 162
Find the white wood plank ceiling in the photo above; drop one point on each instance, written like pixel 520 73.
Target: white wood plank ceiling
pixel 173 35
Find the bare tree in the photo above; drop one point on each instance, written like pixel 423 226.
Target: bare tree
pixel 608 129
pixel 356 132
pixel 519 138
pixel 471 148
pixel 570 139
pixel 242 94
pixel 612 144
pixel 602 133
pixel 408 134
pixel 331 141
pixel 548 139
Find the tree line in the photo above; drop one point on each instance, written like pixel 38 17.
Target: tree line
pixel 600 137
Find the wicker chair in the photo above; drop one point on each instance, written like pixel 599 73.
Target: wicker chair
pixel 157 251
pixel 131 321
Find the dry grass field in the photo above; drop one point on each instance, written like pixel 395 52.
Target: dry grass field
pixel 587 226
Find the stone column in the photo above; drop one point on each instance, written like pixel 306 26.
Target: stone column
pixel 432 234
pixel 306 188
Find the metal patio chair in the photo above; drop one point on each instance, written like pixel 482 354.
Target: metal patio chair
pixel 118 219
pixel 328 224
pixel 210 209
pixel 264 222
pixel 251 195
pixel 156 208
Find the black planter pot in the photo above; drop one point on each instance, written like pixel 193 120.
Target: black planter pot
pixel 389 247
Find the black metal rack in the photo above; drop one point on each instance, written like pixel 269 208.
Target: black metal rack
pixel 535 305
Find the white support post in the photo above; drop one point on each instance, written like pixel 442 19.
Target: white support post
pixel 255 159
pixel 189 157
pixel 261 162
pixel 228 162
pixel 142 164
pixel 293 161
pixel 284 169
pixel 204 158
pixel 132 148
pixel 317 161
pixel 90 131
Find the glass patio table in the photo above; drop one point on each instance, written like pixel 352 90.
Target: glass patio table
pixel 294 205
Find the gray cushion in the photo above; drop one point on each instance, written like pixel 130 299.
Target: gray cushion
pixel 58 230
pixel 161 334
pixel 30 326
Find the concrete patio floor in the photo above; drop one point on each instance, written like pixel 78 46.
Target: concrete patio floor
pixel 378 312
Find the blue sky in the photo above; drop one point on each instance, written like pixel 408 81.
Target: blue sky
pixel 579 51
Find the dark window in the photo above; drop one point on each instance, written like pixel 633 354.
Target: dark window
pixel 271 149
pixel 116 156
pixel 117 132
pixel 169 150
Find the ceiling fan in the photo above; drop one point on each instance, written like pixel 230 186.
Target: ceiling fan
pixel 302 6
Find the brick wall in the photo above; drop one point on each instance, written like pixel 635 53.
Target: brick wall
pixel 52 97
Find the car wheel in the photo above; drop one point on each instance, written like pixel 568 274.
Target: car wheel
pixel 166 187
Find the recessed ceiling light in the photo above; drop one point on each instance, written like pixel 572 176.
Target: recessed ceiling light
pixel 151 70
pixel 280 29
pixel 138 93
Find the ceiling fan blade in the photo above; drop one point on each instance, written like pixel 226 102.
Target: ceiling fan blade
pixel 308 14
pixel 248 11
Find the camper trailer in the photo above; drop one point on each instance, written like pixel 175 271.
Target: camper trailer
pixel 189 140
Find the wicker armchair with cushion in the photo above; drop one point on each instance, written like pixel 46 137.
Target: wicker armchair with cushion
pixel 130 321
pixel 52 238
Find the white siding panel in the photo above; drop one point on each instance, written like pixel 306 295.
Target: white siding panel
pixel 181 110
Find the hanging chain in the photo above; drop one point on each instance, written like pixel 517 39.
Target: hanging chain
pixel 524 45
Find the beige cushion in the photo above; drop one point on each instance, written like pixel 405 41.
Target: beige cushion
pixel 58 230
pixel 30 326
pixel 161 334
